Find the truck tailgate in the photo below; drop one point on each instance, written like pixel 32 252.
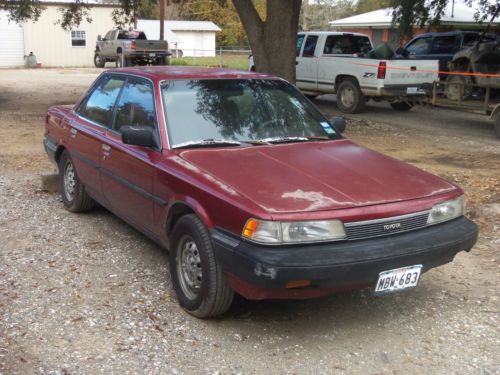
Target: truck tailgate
pixel 151 45
pixel 411 72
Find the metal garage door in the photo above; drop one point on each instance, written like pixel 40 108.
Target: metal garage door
pixel 11 42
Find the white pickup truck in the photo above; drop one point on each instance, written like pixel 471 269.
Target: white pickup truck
pixel 335 63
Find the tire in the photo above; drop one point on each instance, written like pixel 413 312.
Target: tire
pixel 99 61
pixel 497 126
pixel 73 193
pixel 452 89
pixel 401 106
pixel 200 286
pixel 311 96
pixel 350 99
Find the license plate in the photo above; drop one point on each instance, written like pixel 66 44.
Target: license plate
pixel 412 90
pixel 398 279
pixel 152 54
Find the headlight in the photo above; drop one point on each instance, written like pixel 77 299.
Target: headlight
pixel 274 232
pixel 447 211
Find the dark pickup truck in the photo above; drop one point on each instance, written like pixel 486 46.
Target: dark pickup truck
pixel 250 188
pixel 127 48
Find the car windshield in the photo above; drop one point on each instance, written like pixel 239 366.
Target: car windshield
pixel 229 112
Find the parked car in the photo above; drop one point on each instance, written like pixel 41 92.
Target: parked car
pixel 442 46
pixel 127 48
pixel 250 188
pixel 336 62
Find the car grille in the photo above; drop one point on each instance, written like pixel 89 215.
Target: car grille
pixel 386 226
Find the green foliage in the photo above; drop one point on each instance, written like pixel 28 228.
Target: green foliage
pixel 364 6
pixel 318 13
pixel 422 13
pixel 22 10
pixel 74 14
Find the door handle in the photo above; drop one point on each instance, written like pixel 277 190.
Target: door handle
pixel 296 63
pixel 73 132
pixel 106 147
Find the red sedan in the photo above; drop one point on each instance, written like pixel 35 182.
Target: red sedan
pixel 250 188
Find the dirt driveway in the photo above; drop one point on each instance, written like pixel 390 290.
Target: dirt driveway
pixel 87 294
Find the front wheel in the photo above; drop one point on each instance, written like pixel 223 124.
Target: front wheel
pixel 73 193
pixel 350 99
pixel 401 106
pixel 99 61
pixel 197 276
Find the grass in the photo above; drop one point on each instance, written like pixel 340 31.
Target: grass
pixel 228 61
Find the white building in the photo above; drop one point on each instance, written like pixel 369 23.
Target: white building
pixel 52 45
pixel 194 38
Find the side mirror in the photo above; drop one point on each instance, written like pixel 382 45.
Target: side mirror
pixel 402 52
pixel 138 136
pixel 338 123
pixel 99 38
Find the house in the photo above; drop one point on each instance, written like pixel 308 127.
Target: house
pixel 194 38
pixel 52 45
pixel 378 24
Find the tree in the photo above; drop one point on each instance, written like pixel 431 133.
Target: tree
pixel 274 39
pixel 364 6
pixel 319 13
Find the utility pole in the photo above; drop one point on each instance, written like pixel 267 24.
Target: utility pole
pixel 162 19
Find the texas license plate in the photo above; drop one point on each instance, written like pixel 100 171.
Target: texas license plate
pixel 398 279
pixel 412 90
pixel 152 54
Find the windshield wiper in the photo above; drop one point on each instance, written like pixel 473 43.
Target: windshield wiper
pixel 207 143
pixel 275 140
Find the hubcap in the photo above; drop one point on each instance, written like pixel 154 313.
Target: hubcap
pixel 347 97
pixel 69 181
pixel 189 267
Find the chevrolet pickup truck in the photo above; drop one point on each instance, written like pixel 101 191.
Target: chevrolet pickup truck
pixel 127 48
pixel 250 188
pixel 336 63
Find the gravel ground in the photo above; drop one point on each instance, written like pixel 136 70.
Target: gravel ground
pixel 87 294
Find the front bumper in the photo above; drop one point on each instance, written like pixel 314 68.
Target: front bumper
pixel 258 271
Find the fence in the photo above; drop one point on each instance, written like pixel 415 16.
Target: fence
pixel 220 57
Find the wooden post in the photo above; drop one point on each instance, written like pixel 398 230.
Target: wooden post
pixel 487 100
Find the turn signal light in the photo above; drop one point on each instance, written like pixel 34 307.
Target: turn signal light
pixel 250 228
pixel 133 45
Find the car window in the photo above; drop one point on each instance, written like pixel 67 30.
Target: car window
pixel 471 38
pixel 419 46
pixel 238 110
pixel 100 104
pixel 310 46
pixel 346 44
pixel 136 105
pixel 108 35
pixel 300 40
pixel 131 35
pixel 445 44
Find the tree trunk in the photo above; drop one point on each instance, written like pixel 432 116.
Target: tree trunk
pixel 274 40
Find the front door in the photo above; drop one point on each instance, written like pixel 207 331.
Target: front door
pixel 127 171
pixel 307 64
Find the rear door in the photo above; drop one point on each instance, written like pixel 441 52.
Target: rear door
pixel 443 48
pixel 307 64
pixel 127 171
pixel 93 115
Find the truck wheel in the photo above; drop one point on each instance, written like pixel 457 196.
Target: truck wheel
pixel 497 126
pixel 197 276
pixel 350 99
pixel 73 193
pixel 455 83
pixel 99 61
pixel 401 106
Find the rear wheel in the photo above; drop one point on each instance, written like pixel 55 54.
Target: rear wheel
pixel 401 106
pixel 99 61
pixel 350 99
pixel 122 61
pixel 455 86
pixel 197 276
pixel 73 193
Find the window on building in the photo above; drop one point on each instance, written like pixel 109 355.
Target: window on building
pixel 78 38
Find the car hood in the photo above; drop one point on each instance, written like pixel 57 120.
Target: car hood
pixel 314 176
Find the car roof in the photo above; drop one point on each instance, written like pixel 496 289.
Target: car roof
pixel 159 73
pixel 446 33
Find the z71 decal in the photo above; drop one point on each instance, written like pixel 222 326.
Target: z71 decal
pixel 368 75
